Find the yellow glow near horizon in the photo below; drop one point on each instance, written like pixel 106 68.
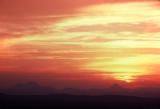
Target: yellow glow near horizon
pixel 132 25
pixel 127 68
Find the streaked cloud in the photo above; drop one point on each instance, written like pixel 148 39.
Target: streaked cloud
pixel 119 39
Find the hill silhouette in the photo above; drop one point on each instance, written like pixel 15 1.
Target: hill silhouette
pixel 28 88
pixel 34 88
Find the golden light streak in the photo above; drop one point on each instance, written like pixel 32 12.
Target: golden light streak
pixel 132 64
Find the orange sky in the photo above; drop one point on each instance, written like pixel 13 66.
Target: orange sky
pixel 80 40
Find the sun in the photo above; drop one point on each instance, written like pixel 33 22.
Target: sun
pixel 127 77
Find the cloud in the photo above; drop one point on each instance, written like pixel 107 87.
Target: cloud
pixel 33 16
pixel 54 36
pixel 118 28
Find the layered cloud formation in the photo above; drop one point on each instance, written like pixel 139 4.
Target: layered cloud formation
pixel 114 39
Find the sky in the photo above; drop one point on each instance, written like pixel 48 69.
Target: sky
pixel 80 43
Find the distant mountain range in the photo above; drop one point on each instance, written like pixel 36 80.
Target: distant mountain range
pixel 33 88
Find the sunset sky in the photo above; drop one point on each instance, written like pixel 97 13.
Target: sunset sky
pixel 80 43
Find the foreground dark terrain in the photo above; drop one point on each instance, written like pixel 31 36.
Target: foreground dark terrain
pixel 72 101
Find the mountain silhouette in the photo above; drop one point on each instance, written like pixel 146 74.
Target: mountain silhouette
pixel 29 88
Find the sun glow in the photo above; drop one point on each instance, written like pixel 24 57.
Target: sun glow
pixel 123 31
pixel 127 68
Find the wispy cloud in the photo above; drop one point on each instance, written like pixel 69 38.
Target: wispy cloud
pixel 73 36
